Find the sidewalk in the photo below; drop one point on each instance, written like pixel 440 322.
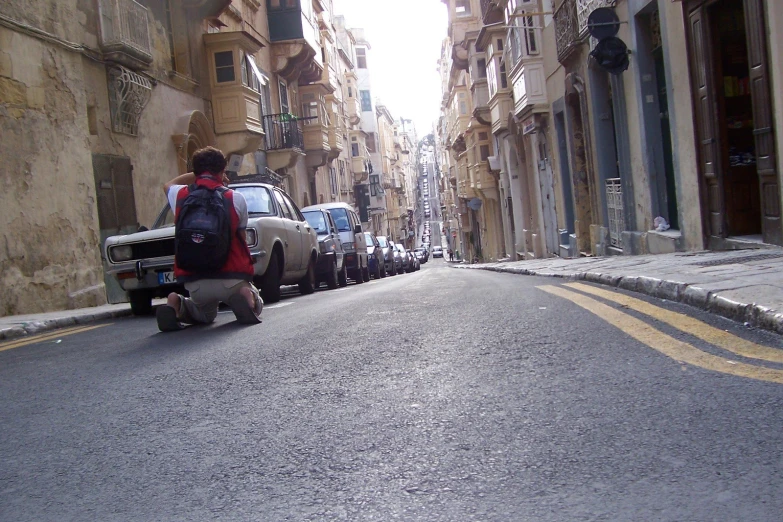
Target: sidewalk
pixel 15 326
pixel 743 285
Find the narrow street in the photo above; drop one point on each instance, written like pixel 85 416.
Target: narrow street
pixel 532 399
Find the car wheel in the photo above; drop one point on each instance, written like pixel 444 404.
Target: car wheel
pixel 342 277
pixel 333 278
pixel 307 283
pixel 140 302
pixel 270 289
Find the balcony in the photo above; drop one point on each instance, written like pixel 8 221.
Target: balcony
pixel 296 45
pixel 483 179
pixel 360 165
pixel 316 125
pixel 235 104
pixel 491 12
pixel 529 85
pixel 125 37
pixel 284 140
pixel 566 30
pixel 479 92
pixel 207 8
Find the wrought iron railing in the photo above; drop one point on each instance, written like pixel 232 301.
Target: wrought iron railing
pixel 491 12
pixel 566 31
pixel 583 10
pixel 124 23
pixel 283 131
pixel 615 208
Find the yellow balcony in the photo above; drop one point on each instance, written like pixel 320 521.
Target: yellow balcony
pixel 360 168
pixel 354 110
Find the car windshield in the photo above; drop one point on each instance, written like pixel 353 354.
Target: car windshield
pixel 259 200
pixel 340 216
pixel 317 220
pixel 382 241
pixel 368 238
pixel 399 248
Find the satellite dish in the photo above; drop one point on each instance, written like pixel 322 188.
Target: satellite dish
pixel 603 23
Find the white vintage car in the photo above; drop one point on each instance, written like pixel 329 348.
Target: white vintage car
pixel 283 245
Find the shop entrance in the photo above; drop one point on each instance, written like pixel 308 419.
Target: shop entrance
pixel 735 120
pixel 729 69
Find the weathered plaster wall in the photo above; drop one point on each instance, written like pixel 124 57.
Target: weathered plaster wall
pixel 775 49
pixel 682 126
pixel 48 224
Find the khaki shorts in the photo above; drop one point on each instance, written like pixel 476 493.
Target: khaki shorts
pixel 207 294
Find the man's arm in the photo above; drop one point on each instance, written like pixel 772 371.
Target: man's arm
pixel 187 178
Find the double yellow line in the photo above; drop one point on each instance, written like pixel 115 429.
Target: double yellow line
pixel 668 345
pixel 47 336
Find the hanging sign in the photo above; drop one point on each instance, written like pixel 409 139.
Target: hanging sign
pixel 529 126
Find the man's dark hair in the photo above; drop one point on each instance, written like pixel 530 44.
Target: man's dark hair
pixel 208 160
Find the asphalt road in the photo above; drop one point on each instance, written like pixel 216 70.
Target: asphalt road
pixel 443 395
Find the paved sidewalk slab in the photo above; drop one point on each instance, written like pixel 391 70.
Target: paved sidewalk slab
pixel 15 326
pixel 743 285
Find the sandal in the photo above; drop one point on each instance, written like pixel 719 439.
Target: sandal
pixel 242 310
pixel 167 319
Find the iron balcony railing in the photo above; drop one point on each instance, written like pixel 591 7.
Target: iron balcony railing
pixel 566 30
pixel 283 131
pixel 124 26
pixel 491 12
pixel 583 10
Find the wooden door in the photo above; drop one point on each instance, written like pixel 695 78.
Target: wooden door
pixel 711 179
pixel 755 27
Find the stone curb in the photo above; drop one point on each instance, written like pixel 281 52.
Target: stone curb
pixel 36 327
pixel 751 313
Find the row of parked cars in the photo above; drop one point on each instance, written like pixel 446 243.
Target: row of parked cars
pixel 317 244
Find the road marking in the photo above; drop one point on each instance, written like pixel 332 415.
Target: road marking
pixel 689 325
pixel 47 337
pixel 666 344
pixel 278 305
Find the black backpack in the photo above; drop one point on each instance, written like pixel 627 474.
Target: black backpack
pixel 202 238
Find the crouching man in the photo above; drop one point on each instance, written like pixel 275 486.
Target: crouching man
pixel 211 254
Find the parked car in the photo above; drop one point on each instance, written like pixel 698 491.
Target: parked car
pixel 437 251
pixel 283 245
pixel 422 254
pixel 331 267
pixel 413 261
pixel 352 237
pixel 375 256
pixel 401 258
pixel 388 255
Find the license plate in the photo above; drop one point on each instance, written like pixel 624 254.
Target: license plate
pixel 166 278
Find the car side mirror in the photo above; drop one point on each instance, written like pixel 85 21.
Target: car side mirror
pixel 357 229
pixel 142 228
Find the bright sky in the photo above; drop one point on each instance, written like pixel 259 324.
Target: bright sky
pixel 405 38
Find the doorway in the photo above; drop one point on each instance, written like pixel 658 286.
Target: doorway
pixel 735 119
pixel 728 57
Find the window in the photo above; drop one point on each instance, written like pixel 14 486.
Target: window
pixel 251 75
pixel 333 180
pixel 500 44
pixel 284 107
pixel 530 36
pixel 354 149
pixel 484 151
pixel 371 142
pixel 481 65
pixel 462 7
pixel 350 91
pixel 503 77
pixel 285 209
pixel 463 103
pixel 224 66
pixel 258 199
pixel 310 110
pixel 375 186
pixel 295 212
pixel 366 101
pixel 361 57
